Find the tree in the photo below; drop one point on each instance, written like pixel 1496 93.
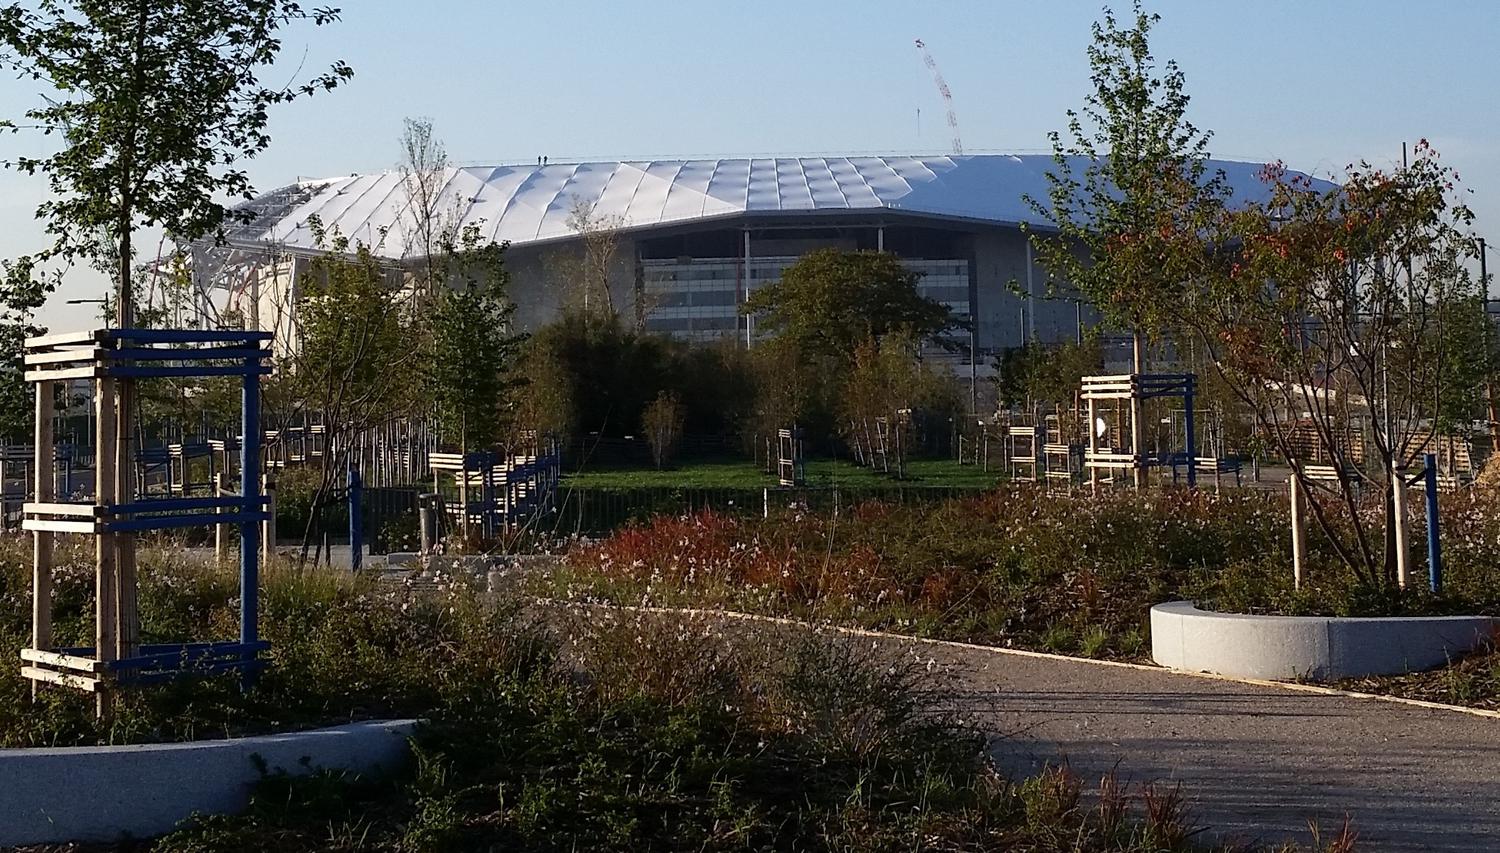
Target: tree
pixel 1332 314
pixel 158 103
pixel 355 365
pixel 583 268
pixel 830 302
pixel 594 377
pixel 792 389
pixel 886 386
pixel 161 102
pixel 427 226
pixel 1130 190
pixel 19 300
pixel 1343 318
pixel 1046 374
pixel 474 350
pixel 662 422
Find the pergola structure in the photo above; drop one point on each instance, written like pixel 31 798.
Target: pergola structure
pixel 1132 390
pixel 111 358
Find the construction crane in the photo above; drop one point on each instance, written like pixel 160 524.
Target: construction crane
pixel 942 85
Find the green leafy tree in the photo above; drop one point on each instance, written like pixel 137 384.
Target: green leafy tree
pixel 1046 374
pixel 830 302
pixel 586 374
pixel 161 103
pixel 888 383
pixel 353 364
pixel 1130 189
pixel 1346 321
pixel 474 351
pixel 662 422
pixel 157 104
pixel 793 388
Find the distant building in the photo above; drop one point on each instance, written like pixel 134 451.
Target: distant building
pixel 694 237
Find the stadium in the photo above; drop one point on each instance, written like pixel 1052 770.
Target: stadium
pixel 689 239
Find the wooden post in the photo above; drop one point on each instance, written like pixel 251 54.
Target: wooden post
pixel 221 530
pixel 1137 410
pixel 1299 532
pixel 41 543
pixel 1093 449
pixel 268 532
pixel 1399 523
pixel 105 484
pixel 1434 541
pixel 1137 448
pixel 463 495
pixel 426 536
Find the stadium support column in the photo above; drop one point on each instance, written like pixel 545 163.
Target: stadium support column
pixel 1030 294
pixel 641 308
pixel 749 318
pixel 252 316
pixel 201 302
pixel 973 262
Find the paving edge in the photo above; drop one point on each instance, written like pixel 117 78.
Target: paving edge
pixel 56 795
pixel 1315 648
pixel 1315 689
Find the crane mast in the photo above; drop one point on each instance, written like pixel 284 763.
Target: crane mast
pixel 942 86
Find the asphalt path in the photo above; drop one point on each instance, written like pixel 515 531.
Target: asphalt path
pixel 1256 763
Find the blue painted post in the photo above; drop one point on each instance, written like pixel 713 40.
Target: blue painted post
pixel 356 540
pixel 1434 549
pixel 1192 441
pixel 250 530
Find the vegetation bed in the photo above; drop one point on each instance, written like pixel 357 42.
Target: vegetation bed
pixel 597 732
pixel 1061 572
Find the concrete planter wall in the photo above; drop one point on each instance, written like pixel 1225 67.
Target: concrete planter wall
pixel 104 793
pixel 1318 648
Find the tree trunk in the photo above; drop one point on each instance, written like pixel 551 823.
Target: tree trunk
pixel 1137 415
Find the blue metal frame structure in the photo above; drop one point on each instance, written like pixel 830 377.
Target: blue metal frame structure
pixel 108 354
pixel 509 491
pixel 1136 388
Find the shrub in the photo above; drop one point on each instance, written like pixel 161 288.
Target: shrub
pixel 589 730
pixel 662 422
pixel 1016 566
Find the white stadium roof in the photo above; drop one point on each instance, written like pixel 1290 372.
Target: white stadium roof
pixel 532 203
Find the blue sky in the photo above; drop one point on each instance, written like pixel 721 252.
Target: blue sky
pixel 1317 84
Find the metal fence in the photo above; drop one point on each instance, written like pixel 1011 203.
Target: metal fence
pixel 597 511
pixel 390 513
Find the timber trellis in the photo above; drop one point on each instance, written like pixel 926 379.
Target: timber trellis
pixel 1062 453
pixel 15 489
pixel 395 453
pixel 113 359
pixel 1128 393
pixel 1022 452
pixel 791 469
pixel 496 492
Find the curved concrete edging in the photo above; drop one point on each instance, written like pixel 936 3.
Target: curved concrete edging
pixel 1320 648
pixel 1292 686
pixel 105 793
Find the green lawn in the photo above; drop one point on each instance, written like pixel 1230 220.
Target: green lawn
pixel 746 475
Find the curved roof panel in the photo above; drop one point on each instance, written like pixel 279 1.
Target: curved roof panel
pixel 533 203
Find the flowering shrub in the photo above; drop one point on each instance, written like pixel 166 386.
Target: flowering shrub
pixel 1066 572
